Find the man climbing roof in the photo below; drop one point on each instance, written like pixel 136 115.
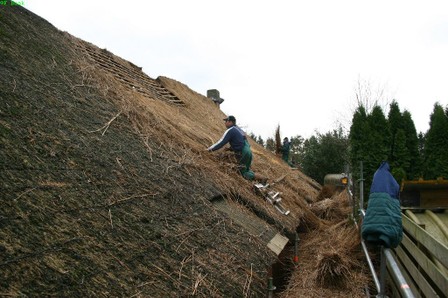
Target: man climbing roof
pixel 237 139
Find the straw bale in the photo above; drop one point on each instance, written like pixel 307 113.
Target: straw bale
pixel 336 207
pixel 337 270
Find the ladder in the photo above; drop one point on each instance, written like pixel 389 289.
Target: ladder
pixel 271 196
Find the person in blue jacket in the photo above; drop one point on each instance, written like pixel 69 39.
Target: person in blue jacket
pixel 237 139
pixel 382 223
pixel 383 181
pixel 285 149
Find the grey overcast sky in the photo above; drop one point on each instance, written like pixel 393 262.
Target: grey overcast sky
pixel 291 63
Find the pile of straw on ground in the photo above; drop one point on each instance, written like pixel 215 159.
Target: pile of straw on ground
pixel 330 265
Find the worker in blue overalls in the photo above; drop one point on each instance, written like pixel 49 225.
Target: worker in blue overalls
pixel 237 139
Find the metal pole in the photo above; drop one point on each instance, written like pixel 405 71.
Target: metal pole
pixel 296 249
pixel 404 288
pixel 361 188
pixel 362 213
pixel 382 291
pixel 271 288
pixel 372 268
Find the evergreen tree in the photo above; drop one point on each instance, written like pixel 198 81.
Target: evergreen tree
pixel 358 131
pixel 376 142
pixel 404 154
pixel 359 146
pixel 379 136
pixel 413 170
pixel 395 123
pixel 333 149
pixel 421 149
pixel 270 144
pixel 310 158
pixel 324 154
pixel 436 145
pixel 402 157
pixel 296 149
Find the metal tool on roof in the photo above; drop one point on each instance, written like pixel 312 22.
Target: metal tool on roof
pixel 271 196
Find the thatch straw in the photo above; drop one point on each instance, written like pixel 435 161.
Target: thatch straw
pixel 333 269
pixel 337 270
pixel 327 191
pixel 335 207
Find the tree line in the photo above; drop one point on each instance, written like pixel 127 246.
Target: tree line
pixel 374 138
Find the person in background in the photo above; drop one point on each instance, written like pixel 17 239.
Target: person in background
pixel 286 146
pixel 237 139
pixel 382 223
pixel 383 181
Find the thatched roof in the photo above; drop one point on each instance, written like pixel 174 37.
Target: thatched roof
pixel 107 189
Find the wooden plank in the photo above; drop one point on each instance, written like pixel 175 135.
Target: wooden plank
pixel 433 225
pixel 426 265
pixel 437 249
pixel 252 224
pixel 278 243
pixel 422 284
pixel 433 198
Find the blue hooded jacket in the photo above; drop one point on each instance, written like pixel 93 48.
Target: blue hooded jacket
pixel 383 181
